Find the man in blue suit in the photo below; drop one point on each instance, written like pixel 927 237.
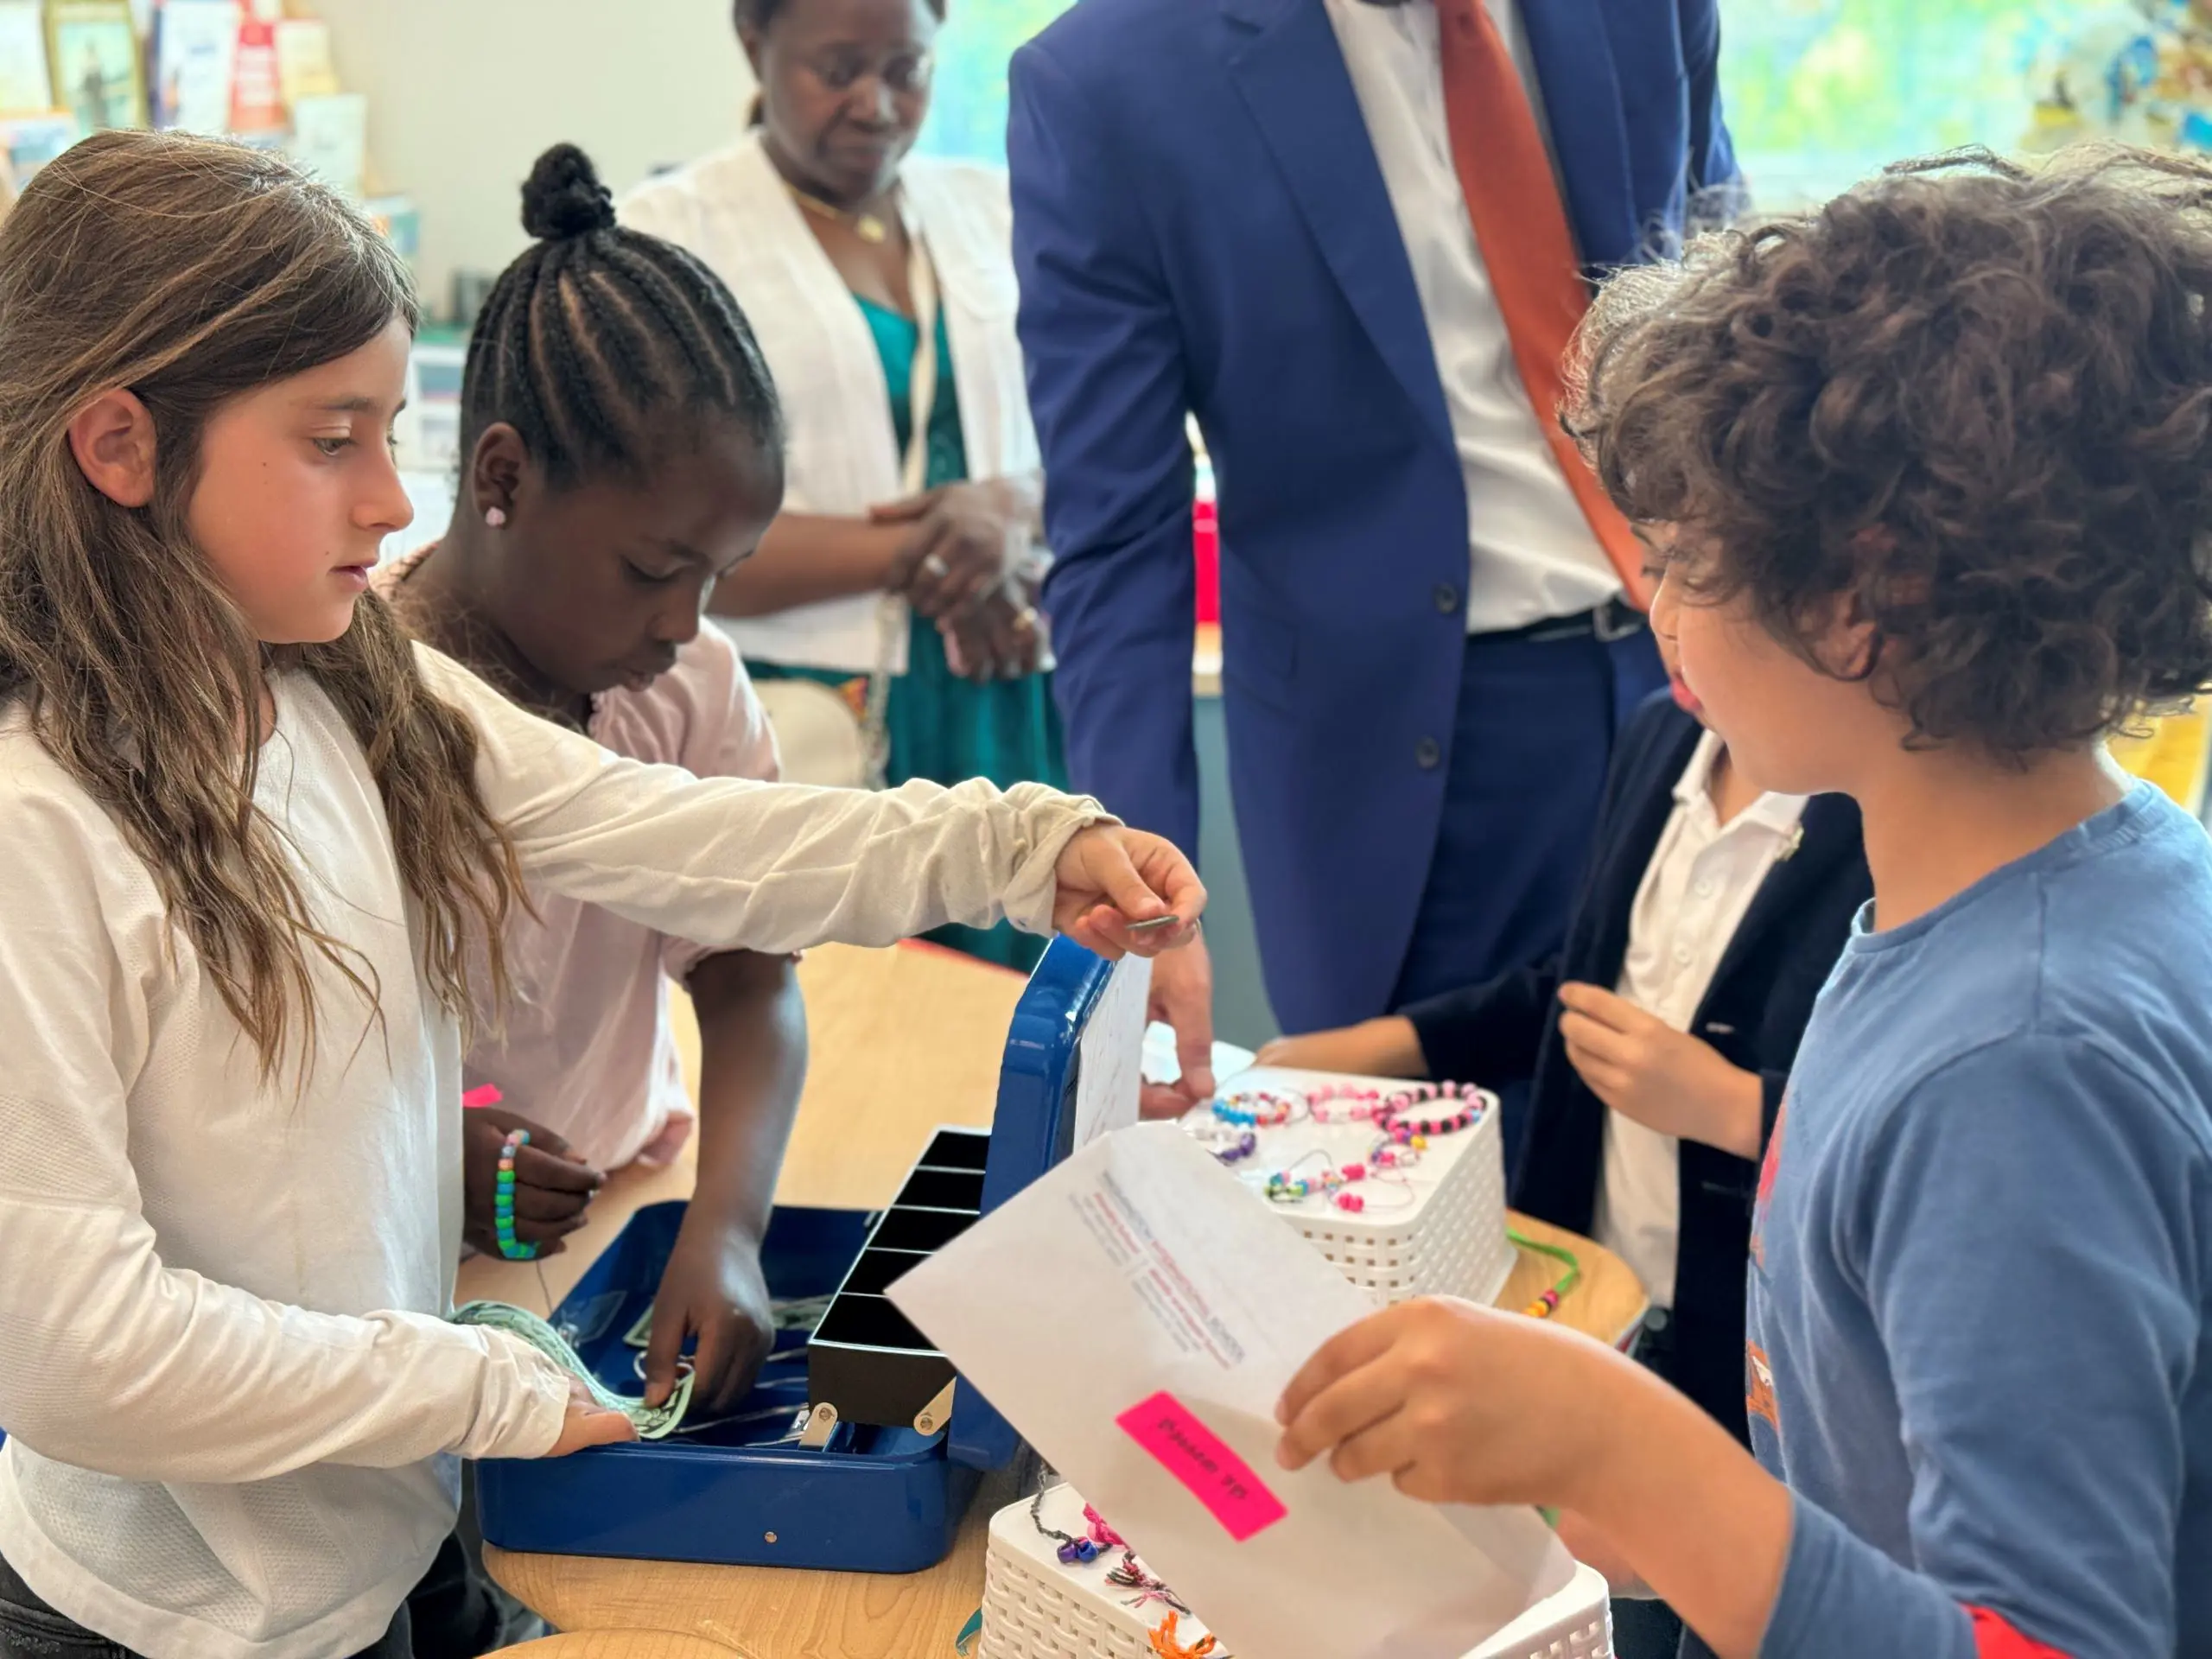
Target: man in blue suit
pixel 1291 219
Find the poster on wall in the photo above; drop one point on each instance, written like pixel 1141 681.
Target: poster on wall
pixel 25 87
pixel 304 67
pixel 99 75
pixel 31 141
pixel 330 139
pixel 195 49
pixel 255 106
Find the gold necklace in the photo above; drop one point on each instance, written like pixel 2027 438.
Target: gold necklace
pixel 869 227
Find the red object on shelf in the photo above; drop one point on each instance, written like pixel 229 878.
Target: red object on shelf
pixel 1206 544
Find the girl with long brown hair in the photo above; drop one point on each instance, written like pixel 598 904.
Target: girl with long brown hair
pixel 254 839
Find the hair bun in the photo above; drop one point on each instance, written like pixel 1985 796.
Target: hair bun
pixel 564 197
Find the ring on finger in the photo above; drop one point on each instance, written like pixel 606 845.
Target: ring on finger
pixel 934 565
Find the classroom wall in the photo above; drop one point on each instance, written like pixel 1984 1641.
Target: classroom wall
pixel 464 94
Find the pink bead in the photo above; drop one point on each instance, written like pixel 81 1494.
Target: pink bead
pixel 1355 1171
pixel 1351 1201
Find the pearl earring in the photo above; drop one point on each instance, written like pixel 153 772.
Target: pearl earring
pixel 496 518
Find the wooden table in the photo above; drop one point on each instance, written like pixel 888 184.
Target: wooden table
pixel 902 1040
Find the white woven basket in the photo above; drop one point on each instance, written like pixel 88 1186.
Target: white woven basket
pixel 1448 1241
pixel 1036 1608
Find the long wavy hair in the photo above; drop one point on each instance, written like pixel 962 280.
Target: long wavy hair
pixel 191 271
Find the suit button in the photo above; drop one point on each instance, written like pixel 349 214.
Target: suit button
pixel 1430 753
pixel 1448 598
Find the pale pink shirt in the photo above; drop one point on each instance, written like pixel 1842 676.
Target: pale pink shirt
pixel 588 1049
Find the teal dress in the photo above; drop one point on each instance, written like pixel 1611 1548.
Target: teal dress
pixel 941 726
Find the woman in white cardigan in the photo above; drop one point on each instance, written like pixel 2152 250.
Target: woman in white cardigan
pixel 902 574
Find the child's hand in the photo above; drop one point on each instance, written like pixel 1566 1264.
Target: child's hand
pixel 590 1423
pixel 713 1289
pixel 1377 1048
pixel 553 1186
pixel 1457 1404
pixel 1665 1079
pixel 1110 877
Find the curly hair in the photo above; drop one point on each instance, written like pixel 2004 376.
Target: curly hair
pixel 1970 400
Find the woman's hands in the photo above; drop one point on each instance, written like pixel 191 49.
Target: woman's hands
pixel 968 542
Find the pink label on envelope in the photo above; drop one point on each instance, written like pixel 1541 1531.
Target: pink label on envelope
pixel 1195 1455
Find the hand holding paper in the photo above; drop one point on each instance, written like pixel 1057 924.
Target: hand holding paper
pixel 1137 1315
pixel 1457 1403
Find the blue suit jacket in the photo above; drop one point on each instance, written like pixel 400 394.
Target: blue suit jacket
pixel 1201 226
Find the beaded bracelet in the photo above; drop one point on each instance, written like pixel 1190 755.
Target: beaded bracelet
pixel 503 1201
pixel 1266 1108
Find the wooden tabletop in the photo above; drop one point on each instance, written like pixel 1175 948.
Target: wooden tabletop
pixel 902 1040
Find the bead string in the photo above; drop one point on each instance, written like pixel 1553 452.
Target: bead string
pixel 1548 1300
pixel 503 1201
pixel 1072 1550
pixel 1101 1534
pixel 1130 1573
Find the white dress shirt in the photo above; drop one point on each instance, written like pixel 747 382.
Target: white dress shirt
pixel 1701 879
pixel 1532 554
pixel 228 1384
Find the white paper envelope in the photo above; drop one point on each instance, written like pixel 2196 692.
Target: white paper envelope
pixel 1136 1317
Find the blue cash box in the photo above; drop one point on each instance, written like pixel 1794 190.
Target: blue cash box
pixel 882 1495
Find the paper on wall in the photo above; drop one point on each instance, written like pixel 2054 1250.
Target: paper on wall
pixel 1136 1317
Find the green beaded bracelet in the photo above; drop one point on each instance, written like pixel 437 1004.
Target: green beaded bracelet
pixel 503 1201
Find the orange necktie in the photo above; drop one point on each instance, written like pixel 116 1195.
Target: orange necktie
pixel 1521 225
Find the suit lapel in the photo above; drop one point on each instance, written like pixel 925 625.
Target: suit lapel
pixel 1827 832
pixel 1287 68
pixel 1582 106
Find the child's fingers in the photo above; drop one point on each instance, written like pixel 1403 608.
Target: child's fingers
pixel 665 1350
pixel 540 1205
pixel 1605 1080
pixel 1350 1348
pixel 1386 1446
pixel 1602 1007
pixel 1349 1407
pixel 554 1171
pixel 1581 1032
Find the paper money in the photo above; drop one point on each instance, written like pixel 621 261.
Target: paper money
pixel 652 1422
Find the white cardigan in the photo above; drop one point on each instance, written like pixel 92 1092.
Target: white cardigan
pixel 731 208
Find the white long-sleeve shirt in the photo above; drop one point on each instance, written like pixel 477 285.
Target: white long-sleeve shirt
pixel 228 1386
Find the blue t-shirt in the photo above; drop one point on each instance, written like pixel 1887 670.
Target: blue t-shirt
pixel 1982 1267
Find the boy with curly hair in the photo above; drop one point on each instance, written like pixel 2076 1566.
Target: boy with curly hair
pixel 1932 467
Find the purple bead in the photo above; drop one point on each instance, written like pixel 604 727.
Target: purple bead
pixel 1068 1556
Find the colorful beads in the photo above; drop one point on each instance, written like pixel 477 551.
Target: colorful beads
pixel 1350 1201
pixel 1261 1107
pixel 1286 1188
pixel 1078 1550
pixel 503 1201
